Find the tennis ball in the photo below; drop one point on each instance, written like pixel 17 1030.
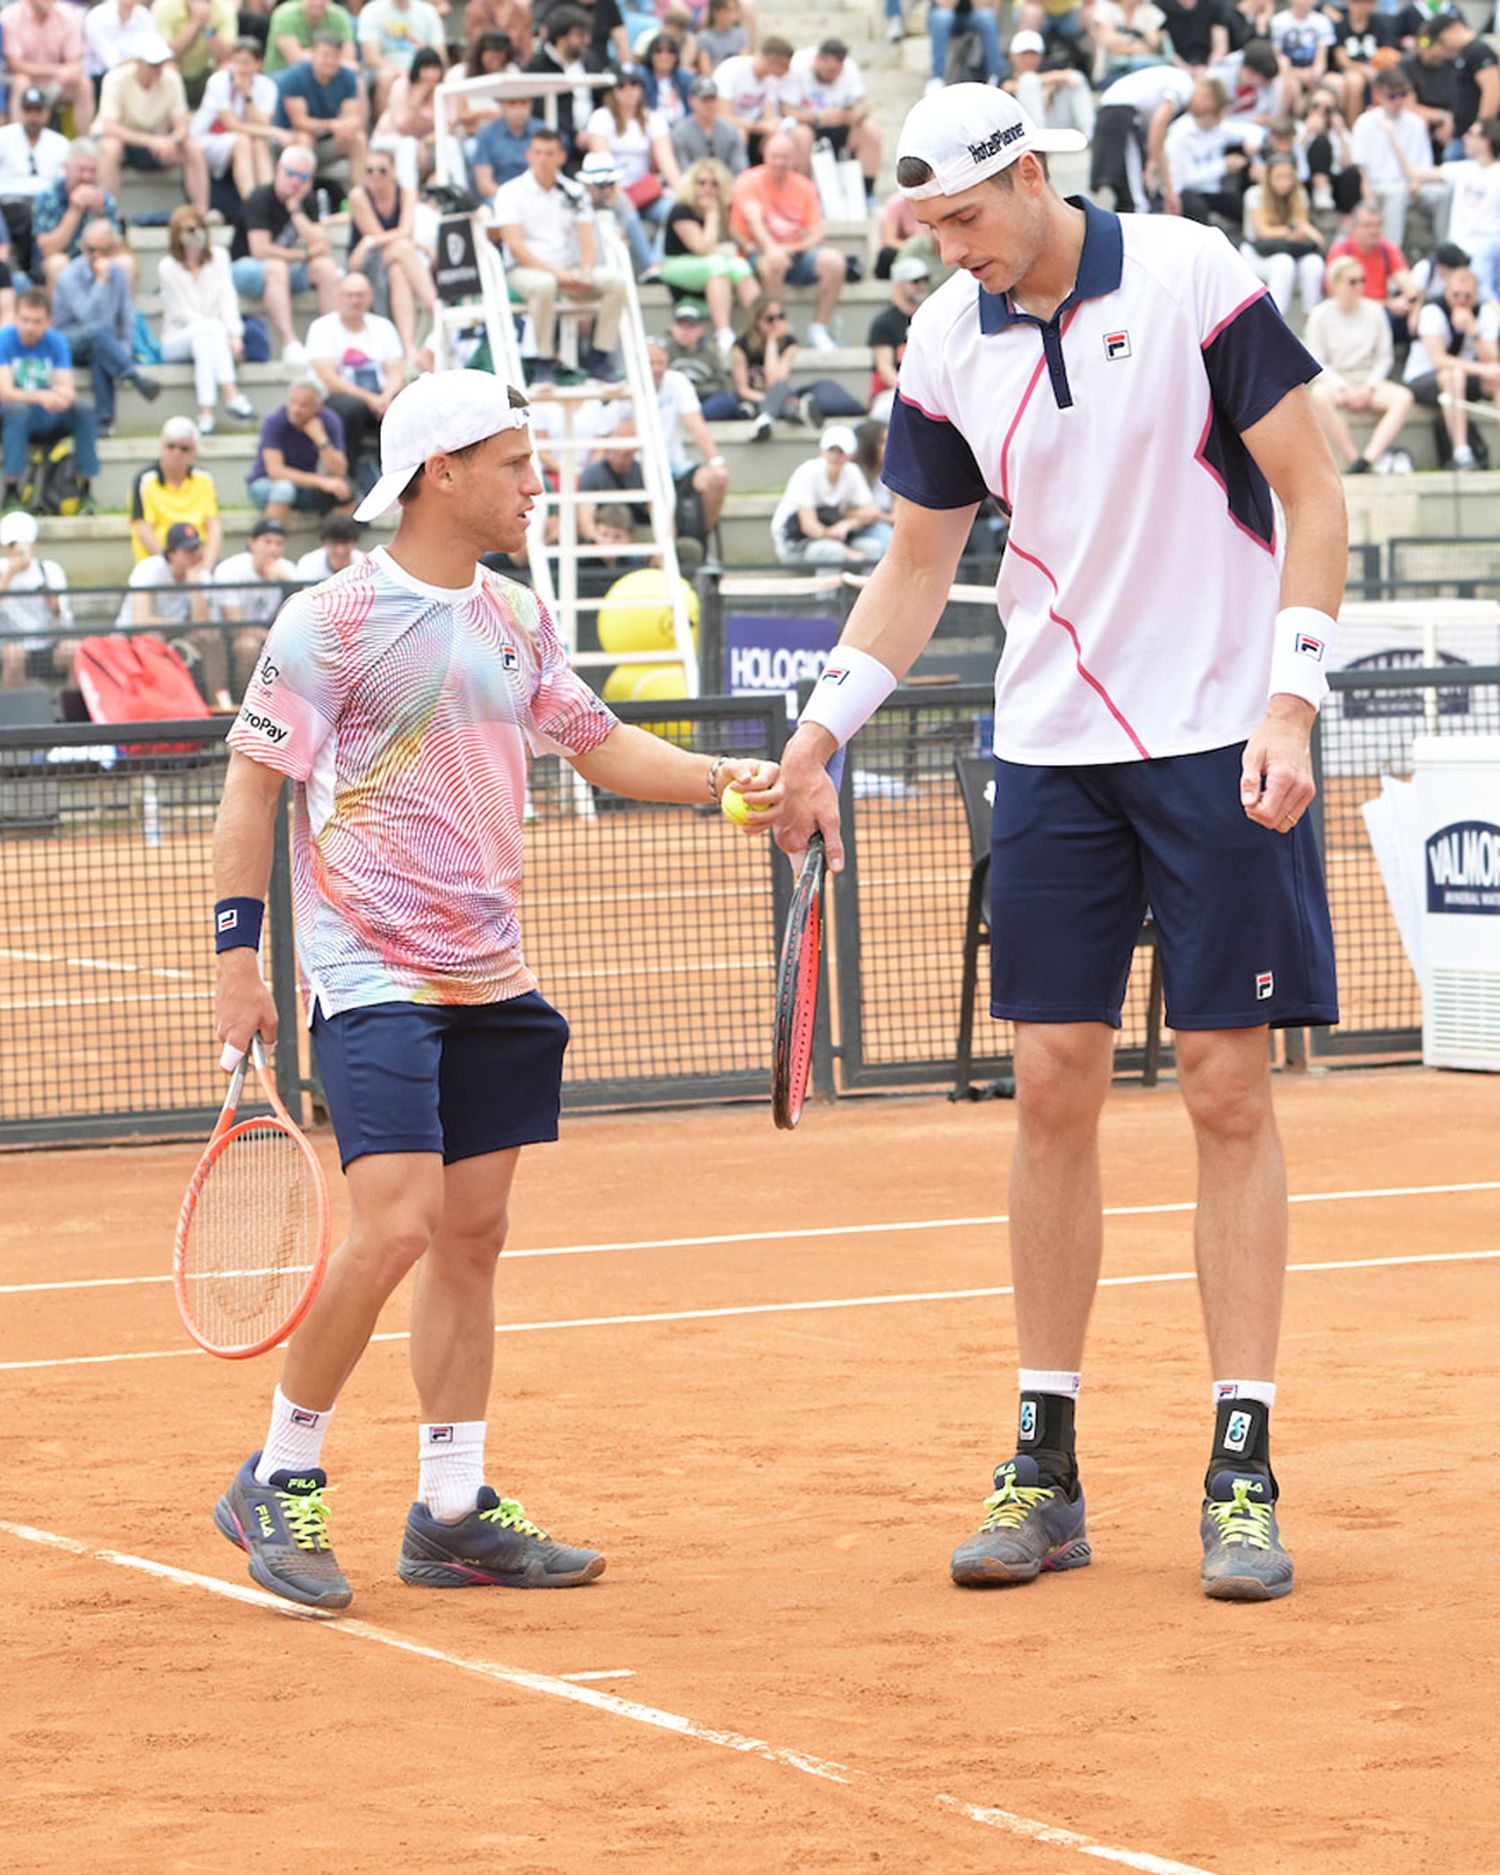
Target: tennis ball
pixel 737 808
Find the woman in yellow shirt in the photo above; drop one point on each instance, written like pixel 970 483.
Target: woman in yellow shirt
pixel 172 489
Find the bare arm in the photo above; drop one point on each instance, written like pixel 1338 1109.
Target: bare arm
pixel 244 842
pixel 892 620
pixel 629 761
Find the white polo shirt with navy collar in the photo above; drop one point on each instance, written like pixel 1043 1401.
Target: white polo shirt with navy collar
pixel 1142 577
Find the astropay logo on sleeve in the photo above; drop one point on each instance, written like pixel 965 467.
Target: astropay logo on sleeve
pixel 264 726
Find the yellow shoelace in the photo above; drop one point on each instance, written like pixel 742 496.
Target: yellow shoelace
pixel 510 1516
pixel 1241 1520
pixel 1008 1507
pixel 306 1517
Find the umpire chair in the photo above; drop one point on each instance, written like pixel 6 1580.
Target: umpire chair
pixel 976 784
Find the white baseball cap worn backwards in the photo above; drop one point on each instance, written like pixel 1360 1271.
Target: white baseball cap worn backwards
pixel 965 133
pixel 441 410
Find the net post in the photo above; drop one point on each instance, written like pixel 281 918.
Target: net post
pixel 284 962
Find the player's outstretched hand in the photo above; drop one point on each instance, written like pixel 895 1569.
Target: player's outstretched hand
pixel 752 795
pixel 812 801
pixel 1276 779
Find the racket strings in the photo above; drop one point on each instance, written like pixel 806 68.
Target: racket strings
pixel 253 1236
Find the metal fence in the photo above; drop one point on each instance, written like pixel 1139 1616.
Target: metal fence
pixel 654 928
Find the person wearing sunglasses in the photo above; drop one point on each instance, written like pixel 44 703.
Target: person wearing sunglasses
pixel 201 318
pixel 280 249
pixel 383 248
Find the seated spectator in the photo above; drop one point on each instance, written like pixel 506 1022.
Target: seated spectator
pixel 1304 41
pixel 338 548
pixel 1128 35
pixel 360 359
pixel 391 32
pixel 1387 277
pixel 638 143
pixel 565 40
pixel 252 584
pixel 776 213
pixel 174 489
pixel 408 124
pixel 34 604
pixel 294 24
pixel 490 55
pixel 613 470
pixel 702 362
pixel 697 235
pixel 143 123
pixel 760 366
pixel 869 459
pixel 201 318
pixel 1204 161
pixel 500 148
pixel 32 158
pixel 508 19
pixel 722 37
pixel 281 250
pixel 39 396
pixel 902 237
pixel 910 281
pixel 1350 337
pixel 1281 243
pixel 1333 176
pixel 548 230
pixel 1475 221
pixel 169 589
pixel 301 461
pixel 1362 32
pixel 1198 31
pixel 1058 96
pixel 1391 145
pixel 827 515
pixel 754 87
pixel 1433 76
pixel 668 81
pixel 1477 68
pixel 1454 356
pixel 44 46
pixel 94 310
pixel 320 103
pixel 701 487
pixel 826 95
pixel 115 32
pixel 200 33
pixel 382 217
pixel 704 134
pixel 942 21
pixel 235 125
pixel 58 212
pixel 600 182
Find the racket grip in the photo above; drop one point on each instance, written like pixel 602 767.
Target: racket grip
pixel 231 1057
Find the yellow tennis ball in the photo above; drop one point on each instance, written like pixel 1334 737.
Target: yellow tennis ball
pixel 737 808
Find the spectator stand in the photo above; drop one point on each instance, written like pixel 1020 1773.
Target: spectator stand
pixel 474 297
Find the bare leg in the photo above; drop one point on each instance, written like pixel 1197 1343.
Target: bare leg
pixel 1331 423
pixel 242 165
pixel 403 310
pixel 195 175
pixel 278 302
pixel 829 270
pixel 1394 402
pixel 453 1307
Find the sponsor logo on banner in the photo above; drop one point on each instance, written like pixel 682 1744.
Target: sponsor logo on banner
pixel 262 725
pixel 1237 1432
pixel 779 654
pixel 1116 345
pixel 457 274
pixel 1463 867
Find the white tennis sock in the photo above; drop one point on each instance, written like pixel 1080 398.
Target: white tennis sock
pixel 1262 1390
pixel 295 1439
pixel 1049 1380
pixel 452 1467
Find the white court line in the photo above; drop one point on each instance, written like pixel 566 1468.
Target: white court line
pixel 793 1308
pixel 565 1686
pixel 102 963
pixel 793 1236
pixel 605 1673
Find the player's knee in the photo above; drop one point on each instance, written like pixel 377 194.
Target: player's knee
pixel 1226 1082
pixel 1062 1075
pixel 469 1249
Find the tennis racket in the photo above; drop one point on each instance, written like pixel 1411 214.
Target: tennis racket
pixel 797 990
pixel 252 1236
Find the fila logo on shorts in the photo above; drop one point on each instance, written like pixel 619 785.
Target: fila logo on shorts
pixel 1117 345
pixel 1265 986
pixel 1237 1432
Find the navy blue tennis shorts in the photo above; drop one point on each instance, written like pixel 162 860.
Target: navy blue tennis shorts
pixel 1077 855
pixel 456 1078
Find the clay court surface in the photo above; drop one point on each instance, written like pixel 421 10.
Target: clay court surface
pixel 756 1383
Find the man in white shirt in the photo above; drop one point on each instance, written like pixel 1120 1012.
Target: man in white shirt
pixel 548 230
pixel 754 87
pixel 1059 98
pixel 826 508
pixel 1304 41
pixel 33 604
pixel 253 580
pixel 115 32
pixel 360 359
pixel 143 124
pixel 340 548
pixel 1392 146
pixel 32 158
pixel 826 94
pixel 1204 160
pixel 390 33
pixel 701 487
pixel 1474 224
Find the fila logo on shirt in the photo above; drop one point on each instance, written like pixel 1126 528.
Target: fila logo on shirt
pixel 1265 986
pixel 510 658
pixel 1028 1420
pixel 440 1435
pixel 1116 345
pixel 1237 1432
pixel 1310 647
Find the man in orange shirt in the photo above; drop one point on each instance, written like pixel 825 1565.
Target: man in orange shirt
pixel 776 214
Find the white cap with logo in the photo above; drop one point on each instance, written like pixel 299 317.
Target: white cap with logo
pixel 441 410
pixel 966 133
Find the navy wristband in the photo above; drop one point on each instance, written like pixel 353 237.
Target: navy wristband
pixel 237 923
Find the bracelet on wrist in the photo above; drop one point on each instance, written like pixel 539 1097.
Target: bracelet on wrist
pixel 713 776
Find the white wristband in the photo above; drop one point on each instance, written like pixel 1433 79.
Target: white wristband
pixel 852 688
pixel 1301 652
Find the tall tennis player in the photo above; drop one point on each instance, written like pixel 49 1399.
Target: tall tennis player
pixel 401 697
pixel 1128 391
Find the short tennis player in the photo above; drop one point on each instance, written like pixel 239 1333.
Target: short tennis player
pixel 401 697
pixel 1128 391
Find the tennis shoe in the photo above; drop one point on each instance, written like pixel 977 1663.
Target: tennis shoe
pixel 495 1546
pixel 283 1528
pixel 1243 1560
pixel 1028 1527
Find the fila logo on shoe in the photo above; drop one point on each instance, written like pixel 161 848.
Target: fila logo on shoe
pixel 1237 1432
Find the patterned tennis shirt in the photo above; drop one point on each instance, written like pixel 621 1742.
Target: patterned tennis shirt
pixel 404 713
